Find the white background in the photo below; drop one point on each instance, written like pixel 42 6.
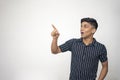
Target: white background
pixel 25 36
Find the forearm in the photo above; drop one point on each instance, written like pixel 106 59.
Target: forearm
pixel 103 73
pixel 54 46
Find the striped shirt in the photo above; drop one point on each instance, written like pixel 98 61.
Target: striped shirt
pixel 84 59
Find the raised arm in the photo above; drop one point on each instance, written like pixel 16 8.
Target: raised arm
pixel 54 46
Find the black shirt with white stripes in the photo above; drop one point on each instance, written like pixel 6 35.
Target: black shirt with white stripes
pixel 84 59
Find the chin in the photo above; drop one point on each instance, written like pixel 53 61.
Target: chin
pixel 83 37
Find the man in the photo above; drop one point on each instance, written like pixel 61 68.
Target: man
pixel 86 52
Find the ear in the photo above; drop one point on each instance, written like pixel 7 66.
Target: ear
pixel 94 30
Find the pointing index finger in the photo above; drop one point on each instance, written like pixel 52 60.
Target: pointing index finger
pixel 54 26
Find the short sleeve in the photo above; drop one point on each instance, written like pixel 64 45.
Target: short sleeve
pixel 103 55
pixel 67 45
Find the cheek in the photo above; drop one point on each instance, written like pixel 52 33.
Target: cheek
pixel 88 31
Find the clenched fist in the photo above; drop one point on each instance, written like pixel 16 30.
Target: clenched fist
pixel 55 33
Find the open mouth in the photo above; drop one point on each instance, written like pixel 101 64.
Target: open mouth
pixel 82 32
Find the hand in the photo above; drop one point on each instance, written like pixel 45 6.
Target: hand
pixel 55 33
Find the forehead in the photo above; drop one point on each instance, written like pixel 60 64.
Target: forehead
pixel 86 23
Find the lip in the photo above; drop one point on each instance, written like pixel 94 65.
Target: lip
pixel 82 32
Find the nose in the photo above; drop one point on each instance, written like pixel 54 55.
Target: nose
pixel 81 29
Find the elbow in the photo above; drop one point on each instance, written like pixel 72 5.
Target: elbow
pixel 54 52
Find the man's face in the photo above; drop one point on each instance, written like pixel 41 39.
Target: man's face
pixel 87 30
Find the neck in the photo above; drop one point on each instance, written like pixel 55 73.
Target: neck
pixel 88 40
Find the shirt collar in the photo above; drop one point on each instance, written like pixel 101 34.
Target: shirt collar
pixel 92 44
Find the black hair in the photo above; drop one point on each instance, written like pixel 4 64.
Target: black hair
pixel 92 21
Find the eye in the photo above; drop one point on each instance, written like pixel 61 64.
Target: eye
pixel 86 26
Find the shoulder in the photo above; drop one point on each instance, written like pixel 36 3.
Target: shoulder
pixel 74 40
pixel 100 45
